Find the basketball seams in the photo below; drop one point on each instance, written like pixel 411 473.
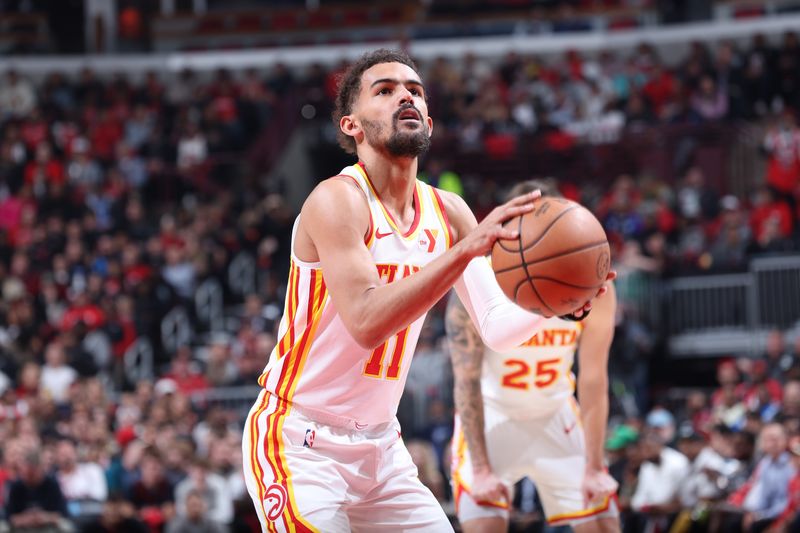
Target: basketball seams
pixel 524 267
pixel 565 283
pixel 556 256
pixel 545 230
pixel 539 296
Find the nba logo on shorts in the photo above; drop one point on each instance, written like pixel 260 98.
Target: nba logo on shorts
pixel 309 440
pixel 275 501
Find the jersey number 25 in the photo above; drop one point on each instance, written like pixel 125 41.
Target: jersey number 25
pixel 547 373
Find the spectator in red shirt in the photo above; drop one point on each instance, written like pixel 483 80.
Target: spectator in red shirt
pixel 104 136
pixel 34 129
pixel 44 170
pixel 186 376
pixel 769 212
pixel 759 375
pixel 660 90
pixel 782 147
pixel 82 311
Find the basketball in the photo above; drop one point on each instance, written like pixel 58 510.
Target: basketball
pixel 559 261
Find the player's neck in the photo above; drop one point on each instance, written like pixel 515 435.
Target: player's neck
pixel 394 179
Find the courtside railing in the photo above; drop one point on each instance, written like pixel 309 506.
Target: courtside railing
pixel 731 313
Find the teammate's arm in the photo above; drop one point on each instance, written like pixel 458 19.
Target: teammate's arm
pixel 332 226
pixel 466 353
pixel 593 349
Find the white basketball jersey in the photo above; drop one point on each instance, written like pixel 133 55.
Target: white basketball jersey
pixel 317 364
pixel 534 379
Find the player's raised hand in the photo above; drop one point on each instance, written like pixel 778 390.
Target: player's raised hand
pixel 480 240
pixel 597 485
pixel 488 488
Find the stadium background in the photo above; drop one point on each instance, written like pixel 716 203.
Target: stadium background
pixel 153 155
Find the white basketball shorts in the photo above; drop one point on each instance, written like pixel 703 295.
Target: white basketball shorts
pixel 307 476
pixel 550 451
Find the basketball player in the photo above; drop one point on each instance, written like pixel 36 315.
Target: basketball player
pixel 516 417
pixel 372 250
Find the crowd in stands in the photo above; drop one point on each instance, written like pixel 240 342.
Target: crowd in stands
pixel 119 198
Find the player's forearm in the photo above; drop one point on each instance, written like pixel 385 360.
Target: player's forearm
pixel 502 324
pixel 593 396
pixel 407 298
pixel 469 406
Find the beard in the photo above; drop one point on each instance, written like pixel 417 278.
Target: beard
pixel 400 143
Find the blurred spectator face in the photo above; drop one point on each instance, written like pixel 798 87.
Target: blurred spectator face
pixel 794 448
pixel 727 374
pixel 144 393
pixel 722 443
pixel 758 371
pixel 198 473
pixel 253 305
pixel 772 440
pixel 195 507
pixel 695 401
pixel 152 471
pixel 707 86
pixel 54 355
pixel 752 421
pixel 66 455
pixel 691 447
pixel 775 344
pixel 791 398
pixel 29 376
pixel 31 472
pixel 43 153
pixel 218 353
pixel 650 446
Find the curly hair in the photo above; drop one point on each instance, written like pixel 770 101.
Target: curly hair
pixel 350 84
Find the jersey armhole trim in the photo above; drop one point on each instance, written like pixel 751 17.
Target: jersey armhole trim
pixel 441 212
pixel 369 238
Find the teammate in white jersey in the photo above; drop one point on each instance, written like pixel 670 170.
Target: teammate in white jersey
pixel 517 417
pixel 321 446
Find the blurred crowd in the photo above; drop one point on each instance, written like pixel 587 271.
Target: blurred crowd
pixel 120 198
pixel 727 459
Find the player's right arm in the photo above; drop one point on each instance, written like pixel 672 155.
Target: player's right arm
pixel 333 223
pixel 466 353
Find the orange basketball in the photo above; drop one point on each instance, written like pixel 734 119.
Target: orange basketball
pixel 558 263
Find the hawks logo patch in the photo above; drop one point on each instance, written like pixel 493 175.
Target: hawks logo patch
pixel 427 241
pixel 275 501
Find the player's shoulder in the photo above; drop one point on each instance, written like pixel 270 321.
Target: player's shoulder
pixel 332 198
pixel 340 192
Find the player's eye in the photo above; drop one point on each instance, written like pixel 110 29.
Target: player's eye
pixel 415 92
pixel 385 90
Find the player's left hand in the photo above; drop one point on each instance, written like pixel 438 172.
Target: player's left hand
pixel 583 312
pixel 597 485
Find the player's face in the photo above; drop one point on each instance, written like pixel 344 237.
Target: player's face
pixel 391 110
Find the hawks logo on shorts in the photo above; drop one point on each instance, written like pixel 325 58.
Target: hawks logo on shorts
pixel 275 501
